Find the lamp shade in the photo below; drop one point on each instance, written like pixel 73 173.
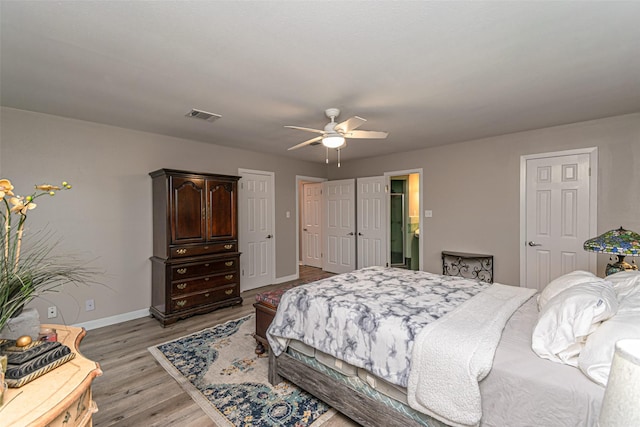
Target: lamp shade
pixel 618 242
pixel 621 402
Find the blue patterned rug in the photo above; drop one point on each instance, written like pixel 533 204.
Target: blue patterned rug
pixel 221 372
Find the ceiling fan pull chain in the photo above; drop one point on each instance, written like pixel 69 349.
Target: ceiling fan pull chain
pixel 327 161
pixel 338 157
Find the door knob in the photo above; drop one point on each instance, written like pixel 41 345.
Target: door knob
pixel 360 234
pixel 304 229
pixel 532 243
pixel 350 233
pixel 269 236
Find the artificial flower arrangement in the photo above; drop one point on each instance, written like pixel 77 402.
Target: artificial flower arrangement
pixel 29 271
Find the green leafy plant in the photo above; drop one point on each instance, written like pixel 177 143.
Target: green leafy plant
pixel 30 271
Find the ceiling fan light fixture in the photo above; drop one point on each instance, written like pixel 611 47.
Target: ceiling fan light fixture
pixel 333 141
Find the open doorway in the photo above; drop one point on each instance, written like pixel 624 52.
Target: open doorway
pixel 309 219
pixel 404 220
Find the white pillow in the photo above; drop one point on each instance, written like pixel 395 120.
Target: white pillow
pixel 624 282
pixel 597 354
pixel 569 317
pixel 564 282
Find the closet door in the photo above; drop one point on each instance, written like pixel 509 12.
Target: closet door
pixel 340 226
pixel 372 222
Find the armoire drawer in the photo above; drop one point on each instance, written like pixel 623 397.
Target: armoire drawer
pixel 203 283
pixel 204 268
pixel 206 249
pixel 207 297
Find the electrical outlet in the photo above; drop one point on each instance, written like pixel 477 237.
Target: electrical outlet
pixel 89 305
pixel 52 312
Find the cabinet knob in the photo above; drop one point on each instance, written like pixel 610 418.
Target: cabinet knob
pixel 181 286
pixel 207 294
pixel 228 291
pixel 206 265
pixel 181 251
pixel 206 279
pixel 229 276
pixel 181 303
pixel 228 263
pixel 228 246
pixel 181 270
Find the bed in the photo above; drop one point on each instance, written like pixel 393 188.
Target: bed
pixel 363 343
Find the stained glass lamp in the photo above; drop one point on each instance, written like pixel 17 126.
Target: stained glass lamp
pixel 619 242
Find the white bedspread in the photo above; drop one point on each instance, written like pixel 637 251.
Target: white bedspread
pixel 451 355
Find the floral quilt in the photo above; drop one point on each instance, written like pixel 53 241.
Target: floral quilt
pixel 369 317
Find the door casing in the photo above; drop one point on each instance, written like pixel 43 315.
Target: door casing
pixel 593 202
pixel 243 229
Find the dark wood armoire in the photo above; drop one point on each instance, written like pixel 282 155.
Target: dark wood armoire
pixel 195 262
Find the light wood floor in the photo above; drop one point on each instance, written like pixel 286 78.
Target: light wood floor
pixel 134 390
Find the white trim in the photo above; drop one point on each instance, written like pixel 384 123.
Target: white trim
pixel 300 179
pixel 593 202
pixel 286 278
pixel 112 320
pixel 420 173
pixel 242 172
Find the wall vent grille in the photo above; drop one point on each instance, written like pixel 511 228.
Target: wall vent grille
pixel 203 115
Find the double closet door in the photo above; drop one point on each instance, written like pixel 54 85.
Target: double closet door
pixel 355 224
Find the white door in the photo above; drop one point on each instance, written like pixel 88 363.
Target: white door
pixel 312 224
pixel 558 217
pixel 372 222
pixel 339 220
pixel 257 242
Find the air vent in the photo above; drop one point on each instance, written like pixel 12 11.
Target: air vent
pixel 203 115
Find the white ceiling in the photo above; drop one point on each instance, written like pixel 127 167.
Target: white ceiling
pixel 429 73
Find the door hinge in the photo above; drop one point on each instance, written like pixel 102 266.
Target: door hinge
pixel 243 271
pixel 386 188
pixel 589 171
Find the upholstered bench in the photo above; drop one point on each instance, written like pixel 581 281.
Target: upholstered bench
pixel 266 305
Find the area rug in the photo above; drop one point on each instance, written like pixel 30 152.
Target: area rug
pixel 219 369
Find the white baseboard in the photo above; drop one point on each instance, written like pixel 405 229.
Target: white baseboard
pixel 112 320
pixel 119 318
pixel 279 280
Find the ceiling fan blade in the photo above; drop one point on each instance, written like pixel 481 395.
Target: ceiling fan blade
pixel 366 134
pixel 302 144
pixel 350 124
pixel 305 129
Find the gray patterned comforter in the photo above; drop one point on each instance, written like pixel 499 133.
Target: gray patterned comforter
pixel 369 317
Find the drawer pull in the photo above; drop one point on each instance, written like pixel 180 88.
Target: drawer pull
pixel 181 251
pixel 206 265
pixel 228 263
pixel 228 246
pixel 181 286
pixel 206 279
pixel 181 303
pixel 229 276
pixel 206 247
pixel 181 270
pixel 207 294
pixel 228 291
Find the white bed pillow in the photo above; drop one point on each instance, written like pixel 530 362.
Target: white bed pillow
pixel 624 282
pixel 569 317
pixel 564 282
pixel 597 354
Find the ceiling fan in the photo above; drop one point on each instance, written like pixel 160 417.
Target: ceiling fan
pixel 334 134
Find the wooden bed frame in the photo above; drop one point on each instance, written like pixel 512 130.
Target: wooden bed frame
pixel 360 408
